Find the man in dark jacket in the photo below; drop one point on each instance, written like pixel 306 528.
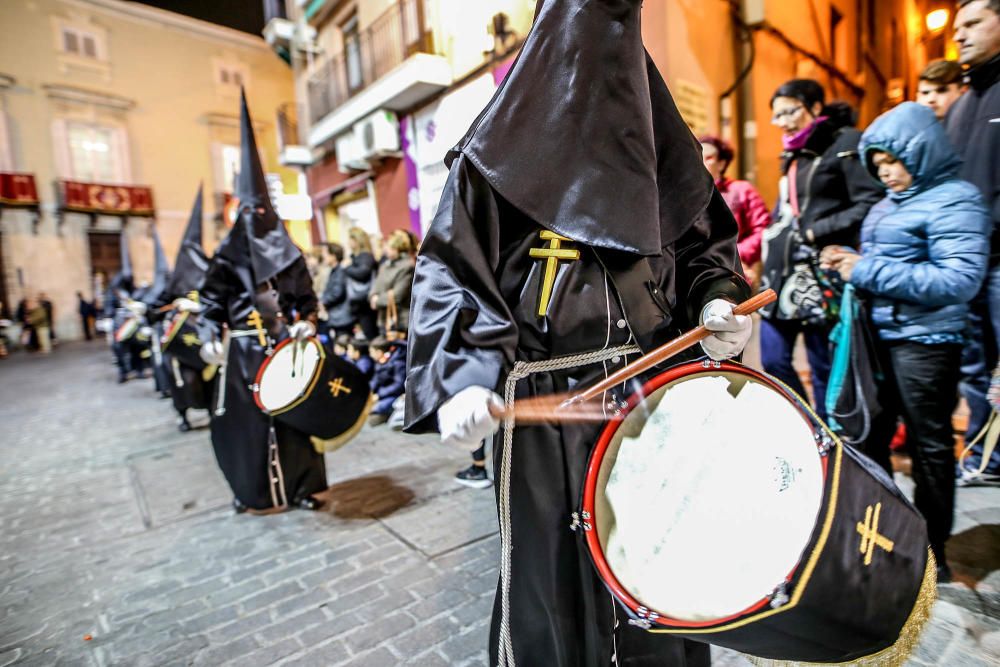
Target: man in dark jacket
pixel 973 125
pixel 334 298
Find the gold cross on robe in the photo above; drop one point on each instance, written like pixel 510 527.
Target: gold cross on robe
pixel 870 537
pixel 190 340
pixel 337 386
pixel 255 322
pixel 552 255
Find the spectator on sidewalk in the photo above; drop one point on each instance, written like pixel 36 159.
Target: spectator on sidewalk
pixel 749 209
pixel 46 303
pixel 940 85
pixel 37 317
pixel 475 475
pixel 825 194
pixel 973 130
pixel 357 354
pixel 88 313
pixel 334 295
pixel 390 295
pixel 360 271
pixel 389 379
pixel 923 257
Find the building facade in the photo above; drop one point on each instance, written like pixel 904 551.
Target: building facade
pixel 386 87
pixel 111 114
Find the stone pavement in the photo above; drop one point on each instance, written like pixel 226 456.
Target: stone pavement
pixel 118 547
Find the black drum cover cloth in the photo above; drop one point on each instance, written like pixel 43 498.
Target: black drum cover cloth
pixel 843 603
pixel 330 401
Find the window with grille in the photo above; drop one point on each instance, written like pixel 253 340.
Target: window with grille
pixel 80 43
pixel 95 153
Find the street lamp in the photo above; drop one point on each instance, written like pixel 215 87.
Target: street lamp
pixel 937 20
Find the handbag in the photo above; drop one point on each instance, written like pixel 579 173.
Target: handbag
pixel 358 290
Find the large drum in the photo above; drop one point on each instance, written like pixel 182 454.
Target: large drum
pixel 183 339
pixel 319 394
pixel 717 507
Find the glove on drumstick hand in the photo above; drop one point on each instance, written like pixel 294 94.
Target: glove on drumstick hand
pixel 301 330
pixel 464 419
pixel 187 305
pixel 212 353
pixel 730 333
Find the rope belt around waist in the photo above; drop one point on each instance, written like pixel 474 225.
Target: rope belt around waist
pixel 521 370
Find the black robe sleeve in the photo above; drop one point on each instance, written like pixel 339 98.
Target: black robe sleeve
pixel 215 293
pixel 461 331
pixel 295 291
pixel 708 262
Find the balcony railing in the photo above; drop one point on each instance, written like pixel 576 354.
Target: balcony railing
pixel 367 56
pixel 288 127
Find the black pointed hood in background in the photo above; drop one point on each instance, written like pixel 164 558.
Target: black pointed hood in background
pixel 191 263
pixel 259 236
pixel 126 271
pixel 161 273
pixel 584 137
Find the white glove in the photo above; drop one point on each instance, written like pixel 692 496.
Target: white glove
pixel 301 330
pixel 137 308
pixel 464 419
pixel 212 353
pixel 187 305
pixel 145 333
pixel 730 333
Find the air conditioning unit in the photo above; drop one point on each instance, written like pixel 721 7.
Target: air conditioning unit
pixel 350 156
pixel 378 135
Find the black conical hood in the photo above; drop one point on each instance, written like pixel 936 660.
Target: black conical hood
pixel 191 263
pixel 271 250
pixel 126 271
pixel 161 272
pixel 584 137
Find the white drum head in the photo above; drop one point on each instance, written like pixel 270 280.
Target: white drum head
pixel 708 495
pixel 289 374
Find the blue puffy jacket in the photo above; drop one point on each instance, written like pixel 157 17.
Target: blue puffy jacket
pixel 924 251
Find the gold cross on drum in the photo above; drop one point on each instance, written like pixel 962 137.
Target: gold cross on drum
pixel 337 386
pixel 255 322
pixel 552 256
pixel 870 537
pixel 190 339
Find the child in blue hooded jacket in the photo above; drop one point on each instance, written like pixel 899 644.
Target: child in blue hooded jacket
pixel 924 250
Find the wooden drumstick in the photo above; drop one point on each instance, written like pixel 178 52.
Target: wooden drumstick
pixel 577 407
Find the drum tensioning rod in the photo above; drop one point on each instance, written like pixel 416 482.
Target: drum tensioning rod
pixel 582 408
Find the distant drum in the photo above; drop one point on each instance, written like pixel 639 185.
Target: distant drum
pixel 322 395
pixel 183 339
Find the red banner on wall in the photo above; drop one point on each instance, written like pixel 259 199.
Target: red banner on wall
pixel 18 189
pixel 107 199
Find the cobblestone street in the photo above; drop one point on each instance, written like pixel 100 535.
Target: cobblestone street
pixel 118 545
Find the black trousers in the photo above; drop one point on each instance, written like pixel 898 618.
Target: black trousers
pixel 921 385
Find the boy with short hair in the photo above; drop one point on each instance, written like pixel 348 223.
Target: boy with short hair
pixel 390 376
pixel 940 85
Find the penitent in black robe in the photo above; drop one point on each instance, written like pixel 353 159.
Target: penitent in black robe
pixel 475 315
pixel 263 470
pixel 581 150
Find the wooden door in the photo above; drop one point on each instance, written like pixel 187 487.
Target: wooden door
pixel 105 254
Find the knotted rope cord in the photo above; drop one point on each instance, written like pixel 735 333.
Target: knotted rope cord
pixel 521 370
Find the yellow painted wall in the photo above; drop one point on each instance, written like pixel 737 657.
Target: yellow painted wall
pixel 167 70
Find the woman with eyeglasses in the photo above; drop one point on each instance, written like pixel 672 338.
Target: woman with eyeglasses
pixel 825 194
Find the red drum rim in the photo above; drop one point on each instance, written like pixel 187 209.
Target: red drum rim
pixel 597 458
pixel 309 387
pixel 173 329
